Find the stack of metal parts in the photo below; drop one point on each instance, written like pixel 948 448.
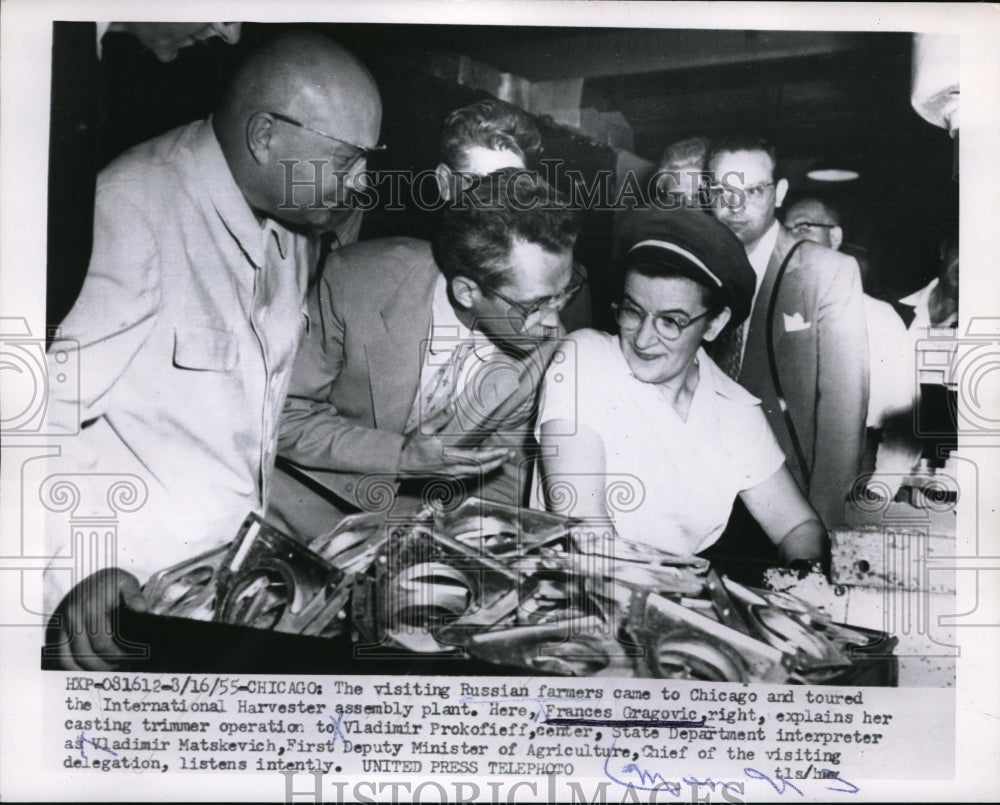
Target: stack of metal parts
pixel 514 587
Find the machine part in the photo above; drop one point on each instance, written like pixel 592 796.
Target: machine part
pixel 494 535
pixel 550 596
pixel 896 556
pixel 268 580
pixel 789 624
pixel 259 599
pixel 423 598
pixel 811 615
pixel 688 657
pixel 476 520
pixel 421 584
pixel 652 618
pixel 352 545
pixel 790 637
pixel 625 550
pixel 725 608
pixel 580 647
pixel 186 590
pixel 514 587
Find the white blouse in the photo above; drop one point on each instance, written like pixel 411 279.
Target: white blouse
pixel 668 483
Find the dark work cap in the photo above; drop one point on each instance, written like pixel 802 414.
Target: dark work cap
pixel 695 245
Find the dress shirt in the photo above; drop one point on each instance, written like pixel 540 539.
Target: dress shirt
pixel 759 256
pixel 890 364
pixel 447 333
pixel 920 301
pixel 185 332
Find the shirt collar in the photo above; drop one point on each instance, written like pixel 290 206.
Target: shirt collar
pixel 271 228
pixel 231 206
pixel 760 254
pixel 921 304
pixel 446 328
pixel 922 297
pixel 714 380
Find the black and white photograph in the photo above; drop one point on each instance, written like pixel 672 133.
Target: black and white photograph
pixel 499 401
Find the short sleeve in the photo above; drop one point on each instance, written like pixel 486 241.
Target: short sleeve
pixel 760 454
pixel 572 391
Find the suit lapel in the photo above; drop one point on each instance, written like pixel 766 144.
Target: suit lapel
pixel 395 349
pixel 755 370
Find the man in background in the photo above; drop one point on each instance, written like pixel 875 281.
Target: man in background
pixel 890 381
pixel 934 307
pixel 682 173
pixel 814 388
pixel 487 136
pixel 483 137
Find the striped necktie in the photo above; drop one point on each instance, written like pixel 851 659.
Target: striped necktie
pixel 439 390
pixel 727 351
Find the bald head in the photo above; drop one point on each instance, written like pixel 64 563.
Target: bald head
pixel 298 116
pixel 812 219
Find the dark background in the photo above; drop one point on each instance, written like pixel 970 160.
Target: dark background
pixel 821 97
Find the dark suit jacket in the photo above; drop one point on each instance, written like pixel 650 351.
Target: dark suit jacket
pixel 821 351
pixel 358 372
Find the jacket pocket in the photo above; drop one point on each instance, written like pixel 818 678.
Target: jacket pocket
pixel 204 349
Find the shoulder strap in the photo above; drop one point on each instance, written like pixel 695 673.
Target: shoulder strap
pixel 773 365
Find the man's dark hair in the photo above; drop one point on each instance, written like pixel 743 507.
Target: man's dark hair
pixel 685 153
pixel 832 210
pixel 728 145
pixel 492 124
pixel 479 229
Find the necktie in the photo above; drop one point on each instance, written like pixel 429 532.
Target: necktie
pixel 439 389
pixel 728 352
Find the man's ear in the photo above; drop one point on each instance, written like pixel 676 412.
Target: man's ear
pixel 836 238
pixel 464 292
pixel 445 179
pixel 720 320
pixel 780 191
pixel 259 133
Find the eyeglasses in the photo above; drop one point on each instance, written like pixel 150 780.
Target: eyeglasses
pixel 736 196
pixel 632 317
pixel 532 313
pixel 802 227
pixel 348 161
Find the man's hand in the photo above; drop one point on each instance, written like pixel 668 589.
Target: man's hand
pixel 425 454
pixel 83 630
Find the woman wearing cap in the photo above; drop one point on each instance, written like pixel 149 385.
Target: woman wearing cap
pixel 645 428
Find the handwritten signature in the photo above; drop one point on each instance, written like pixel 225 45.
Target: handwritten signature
pixel 83 739
pixel 648 780
pixel 337 731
